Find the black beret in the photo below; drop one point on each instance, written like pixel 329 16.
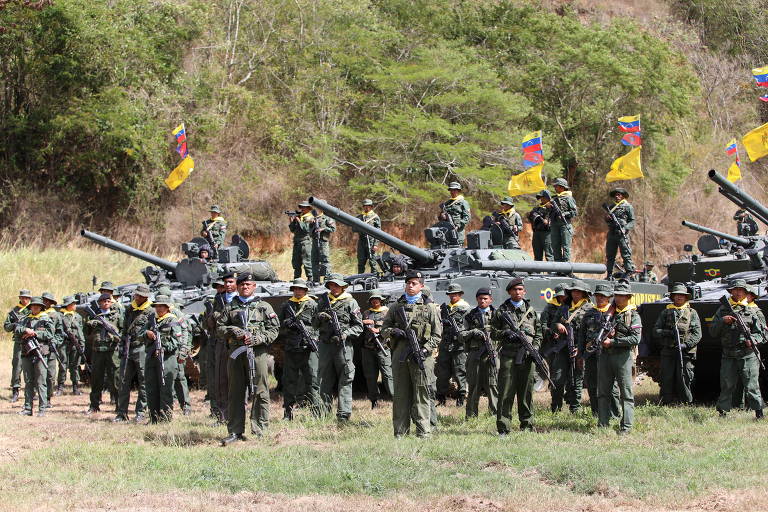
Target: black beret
pixel 482 291
pixel 246 276
pixel 413 274
pixel 517 281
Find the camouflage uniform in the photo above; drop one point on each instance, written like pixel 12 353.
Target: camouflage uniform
pixel 451 356
pixel 135 324
pixel 221 305
pixel 301 227
pixel 481 374
pixel 35 376
pixel 458 210
pixel 160 393
pixel 103 351
pixel 57 370
pixel 625 214
pixel 180 385
pixel 72 324
pixel 511 238
pixel 322 228
pixel 745 224
pixel 376 361
pixel 365 243
pixel 112 381
pixel 216 228
pixel 541 240
pixel 14 316
pixel 561 230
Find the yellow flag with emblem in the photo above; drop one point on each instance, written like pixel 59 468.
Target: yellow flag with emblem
pixel 527 182
pixel 626 167
pixel 734 172
pixel 180 173
pixel 756 142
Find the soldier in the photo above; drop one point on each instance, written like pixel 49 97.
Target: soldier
pixel 615 240
pixel 678 330
pixel 589 352
pixel 300 360
pixel 745 224
pixel 560 224
pixel 456 211
pixel 249 325
pixel 162 337
pixel 220 307
pixel 451 356
pixel 214 230
pixel 376 357
pixel 57 366
pixel 301 226
pixel 37 328
pixel 739 361
pixel 337 370
pixel 180 386
pixel 366 244
pixel 482 361
pixel 133 362
pixel 510 223
pixel 648 275
pixel 615 364
pixel 102 330
pixel 13 318
pixel 322 227
pixel 412 400
pixel 72 325
pixel 112 381
pixel 209 324
pixel 541 239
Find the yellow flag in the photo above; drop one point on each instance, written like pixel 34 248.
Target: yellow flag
pixel 528 182
pixel 626 167
pixel 180 173
pixel 756 142
pixel 734 173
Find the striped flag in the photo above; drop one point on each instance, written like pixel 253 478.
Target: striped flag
pixel 630 125
pixel 761 78
pixel 181 140
pixel 533 152
pixel 734 171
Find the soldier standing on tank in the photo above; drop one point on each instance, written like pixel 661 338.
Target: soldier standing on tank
pixel 616 361
pixel 745 224
pixel 739 361
pixel 541 239
pixel 337 369
pixel 456 211
pixel 561 227
pixel 248 324
pixel 301 226
pixel 135 323
pixel 648 275
pixel 412 400
pixel 72 324
pixel 678 317
pixel 37 325
pixel 625 214
pixel 482 365
pixel 56 370
pixel 214 230
pixel 515 380
pixel 300 362
pixel 366 244
pixel 322 227
pixel 165 325
pixel 451 356
pixel 13 318
pixel 103 338
pixel 375 360
pixel 511 224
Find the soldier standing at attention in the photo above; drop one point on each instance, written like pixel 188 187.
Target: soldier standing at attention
pixel 135 324
pixel 456 211
pixel 412 400
pixel 301 227
pixel 549 317
pixel 451 356
pixel 209 324
pixel 561 227
pixel 35 327
pixel 625 214
pixel 366 244
pixel 72 324
pixel 615 365
pixel 112 379
pixel 57 371
pixel 300 361
pixel 482 362
pixel 375 360
pixel 510 223
pixel 322 227
pixel 337 370
pixel 102 330
pixel 678 330
pixel 541 239
pixel 515 380
pixel 249 324
pixel 739 361
pixel 214 230
pixel 12 320
pixel 163 325
pixel 745 224
pixel 222 350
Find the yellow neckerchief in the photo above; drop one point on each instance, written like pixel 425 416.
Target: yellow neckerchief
pixel 144 306
pixel 457 198
pixel 368 215
pixel 629 307
pixel 672 306
pixel 509 212
pixel 603 309
pixel 20 306
pixel 306 217
pixel 565 193
pixel 39 315
pixel 460 302
pixel 743 302
pixel 68 312
pixel 48 311
pixel 618 204
pixel 378 309
pixel 343 295
pixel 554 301
pixel 218 219
pixel 167 315
pixel 577 305
pixel 299 301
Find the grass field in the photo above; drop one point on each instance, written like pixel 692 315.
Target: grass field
pixel 676 458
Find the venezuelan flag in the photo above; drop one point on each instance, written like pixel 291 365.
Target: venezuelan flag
pixel 180 133
pixel 533 153
pixel 629 124
pixel 632 139
pixel 761 76
pixel 730 149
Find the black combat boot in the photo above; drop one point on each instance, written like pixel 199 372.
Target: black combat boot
pixel 231 438
pixel 76 390
pixel 440 400
pixel 460 401
pixel 288 414
pixel 15 395
pixel 374 404
pixel 58 391
pixel 758 414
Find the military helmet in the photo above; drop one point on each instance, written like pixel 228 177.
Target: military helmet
pixel 454 185
pixel 618 190
pixel 25 293
pixel 508 200
pixel 163 300
pixel 336 279
pixel 561 182
pixel 49 296
pixel 376 294
pixel 679 288
pixel 142 290
pixel 454 288
pixel 298 283
pixel 367 202
pixel 578 284
pixel 214 208
pixel 737 283
pixel 36 301
pixel 604 289
pixel 66 301
pixel 622 288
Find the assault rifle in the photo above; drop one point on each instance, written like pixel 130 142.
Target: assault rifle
pixel 554 205
pixel 615 224
pixel 369 334
pixel 158 348
pixel 299 326
pixel 446 217
pixel 742 326
pixel 414 349
pixel 335 324
pixel 31 345
pixel 55 352
pixel 78 347
pixel 248 349
pixel 506 228
pixel 528 349
pixel 676 334
pixel 606 327
pixel 487 344
pixel 106 325
pixel 566 341
pixel 450 322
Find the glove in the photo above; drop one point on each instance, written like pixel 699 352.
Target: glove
pixel 397 332
pixel 508 333
pixel 425 353
pixel 326 317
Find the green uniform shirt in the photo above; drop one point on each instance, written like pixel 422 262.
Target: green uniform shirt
pixel 568 207
pixel 256 317
pixel 304 311
pixel 42 326
pixel 452 341
pixel 170 333
pixel 458 210
pixel 731 337
pixel 217 230
pixel 625 214
pixel 423 317
pixel 627 326
pixel 135 322
pixel 14 316
pixel 688 325
pixel 590 328
pixel 347 311
pixel 72 323
pixel 476 327
pixel 301 227
pixel 371 218
pixel 378 321
pixel 322 227
pixel 525 318
pixel 100 338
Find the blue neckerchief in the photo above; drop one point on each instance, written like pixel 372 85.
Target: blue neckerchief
pixel 518 305
pixel 246 300
pixel 228 296
pixel 104 311
pixel 484 310
pixel 412 299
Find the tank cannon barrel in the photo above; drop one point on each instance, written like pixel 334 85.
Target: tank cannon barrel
pixel 744 200
pixel 534 267
pixel 420 255
pixel 136 253
pixel 738 240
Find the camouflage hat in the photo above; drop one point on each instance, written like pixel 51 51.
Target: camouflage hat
pixel 604 289
pixel 376 294
pixel 336 279
pixel 622 288
pixel 163 300
pixel 164 289
pixel 454 185
pixel 66 301
pixel 454 288
pixel 680 289
pixel 618 190
pixel 508 200
pixel 754 290
pixel 560 182
pixel 298 283
pixel 367 202
pixel 304 204
pixel 218 282
pixel 517 281
pixel 25 293
pixel 142 290
pixel 482 291
pixel 107 285
pixel 559 290
pixel 578 284
pixel 214 208
pixel 49 296
pixel 36 301
pixel 737 283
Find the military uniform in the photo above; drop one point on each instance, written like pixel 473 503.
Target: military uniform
pixel 513 225
pixel 739 363
pixel 482 374
pixel 451 356
pixel 216 229
pixel 541 240
pixel 180 385
pixel 376 361
pixel 134 362
pixel 35 375
pixel 625 214
pixel 160 391
pixel 366 243
pixel 745 224
pixel 72 325
pixel 220 307
pixel 112 380
pixel 561 229
pixel 57 366
pixel 14 316
pixel 208 324
pixel 676 381
pixel 457 208
pixel 337 370
pixel 322 228
pixel 301 227
pixel 103 350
